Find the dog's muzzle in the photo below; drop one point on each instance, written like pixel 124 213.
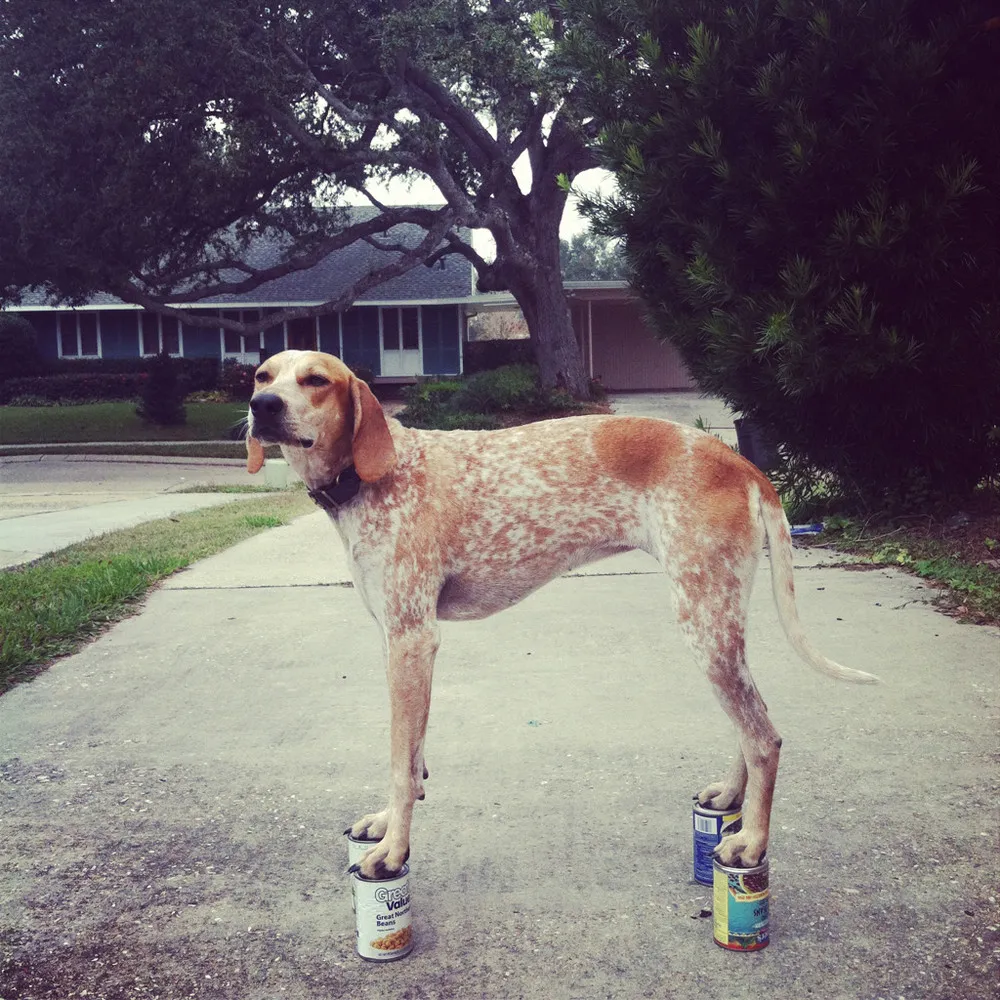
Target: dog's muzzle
pixel 269 423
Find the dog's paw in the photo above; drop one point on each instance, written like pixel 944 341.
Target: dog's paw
pixel 381 861
pixel 370 827
pixel 741 850
pixel 719 795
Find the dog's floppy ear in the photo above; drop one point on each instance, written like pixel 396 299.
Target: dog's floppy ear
pixel 255 455
pixel 372 448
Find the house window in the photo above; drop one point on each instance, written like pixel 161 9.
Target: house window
pixel 79 335
pixel 159 333
pixel 242 347
pixel 401 329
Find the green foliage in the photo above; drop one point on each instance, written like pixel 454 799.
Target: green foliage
pixel 590 257
pixel 162 394
pixel 481 401
pixel 501 390
pixel 236 380
pixel 18 348
pixel 807 200
pixel 950 557
pixel 72 389
pixel 149 143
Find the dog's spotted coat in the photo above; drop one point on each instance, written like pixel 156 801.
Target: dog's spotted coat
pixel 462 524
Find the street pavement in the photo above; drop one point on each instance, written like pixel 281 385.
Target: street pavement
pixel 172 798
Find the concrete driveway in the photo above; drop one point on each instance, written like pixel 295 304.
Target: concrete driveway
pixel 686 407
pixel 172 798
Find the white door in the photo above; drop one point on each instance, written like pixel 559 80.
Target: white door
pixel 401 342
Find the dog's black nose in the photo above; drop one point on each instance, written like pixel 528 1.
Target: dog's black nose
pixel 267 404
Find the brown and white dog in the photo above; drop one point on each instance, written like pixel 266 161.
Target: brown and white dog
pixel 461 524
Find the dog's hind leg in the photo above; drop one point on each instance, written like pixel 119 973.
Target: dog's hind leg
pixel 723 655
pixel 713 590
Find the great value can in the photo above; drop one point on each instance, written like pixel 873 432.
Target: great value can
pixel 710 826
pixel 382 916
pixel 357 848
pixel 741 907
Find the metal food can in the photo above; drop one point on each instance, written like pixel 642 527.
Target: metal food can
pixel 382 916
pixel 357 848
pixel 710 826
pixel 741 907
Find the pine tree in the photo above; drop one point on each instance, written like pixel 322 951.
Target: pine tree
pixel 162 397
pixel 808 203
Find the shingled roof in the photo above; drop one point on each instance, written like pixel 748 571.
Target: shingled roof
pixel 449 279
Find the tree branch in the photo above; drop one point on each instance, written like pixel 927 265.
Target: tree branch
pixel 413 257
pixel 423 217
pixel 462 124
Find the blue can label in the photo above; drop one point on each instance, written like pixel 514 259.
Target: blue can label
pixel 710 826
pixel 741 907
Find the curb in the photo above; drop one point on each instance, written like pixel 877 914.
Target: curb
pixel 125 459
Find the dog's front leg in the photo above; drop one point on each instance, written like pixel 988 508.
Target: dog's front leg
pixel 410 663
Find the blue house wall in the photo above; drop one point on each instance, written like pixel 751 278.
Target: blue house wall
pixel 119 334
pixel 353 335
pixel 442 338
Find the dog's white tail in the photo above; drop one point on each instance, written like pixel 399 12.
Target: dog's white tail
pixel 779 542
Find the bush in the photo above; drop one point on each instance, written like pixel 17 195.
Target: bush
pixel 19 347
pixel 162 396
pixel 513 387
pixel 426 401
pixel 73 388
pixel 197 374
pixel 476 403
pixel 236 380
pixel 485 355
pixel 807 194
pixel 29 400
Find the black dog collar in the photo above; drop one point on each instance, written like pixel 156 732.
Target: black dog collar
pixel 340 492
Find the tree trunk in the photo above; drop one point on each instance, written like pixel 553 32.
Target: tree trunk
pixel 546 312
pixel 529 265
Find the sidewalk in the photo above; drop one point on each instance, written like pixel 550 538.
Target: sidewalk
pixel 173 796
pixel 50 501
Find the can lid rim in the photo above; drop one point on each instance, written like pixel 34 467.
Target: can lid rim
pixel 405 870
pixel 763 863
pixel 709 811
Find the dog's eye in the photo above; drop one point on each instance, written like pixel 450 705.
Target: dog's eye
pixel 316 380
pixel 262 377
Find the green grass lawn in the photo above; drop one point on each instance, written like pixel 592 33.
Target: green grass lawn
pixel 54 605
pixel 112 422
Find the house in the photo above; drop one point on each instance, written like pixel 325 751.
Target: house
pixel 413 324
pixel 619 349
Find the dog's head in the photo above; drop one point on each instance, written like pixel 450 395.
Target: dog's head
pixel 313 402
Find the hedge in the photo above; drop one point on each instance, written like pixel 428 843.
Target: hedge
pixel 198 374
pixel 75 388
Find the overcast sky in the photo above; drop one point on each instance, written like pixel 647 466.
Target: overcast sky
pixel 425 192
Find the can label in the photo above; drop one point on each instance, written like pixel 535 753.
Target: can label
pixel 382 916
pixel 710 826
pixel 741 907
